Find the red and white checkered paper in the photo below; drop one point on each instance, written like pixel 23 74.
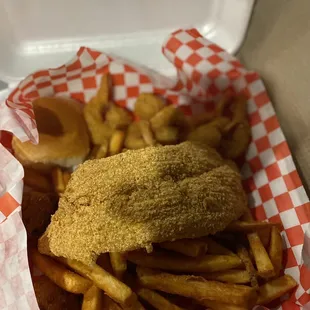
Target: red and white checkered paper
pixel 205 72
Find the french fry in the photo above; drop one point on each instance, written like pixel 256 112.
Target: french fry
pixel 109 304
pixel 165 117
pixel 58 180
pixel 92 299
pixel 66 279
pixel 103 150
pixel 276 250
pixel 243 226
pixel 239 112
pixel 117 117
pixel 275 289
pixel 221 105
pixel 263 263
pixel 146 132
pixel 99 130
pixel 229 276
pixel 156 300
pixel 66 177
pixel 116 142
pixel 147 106
pixel 200 119
pixel 118 263
pixel 197 287
pixel 245 257
pixel 37 181
pixel 166 261
pixel 167 135
pixel 114 288
pixel 214 305
pixel 216 248
pixel 188 247
pixel 101 98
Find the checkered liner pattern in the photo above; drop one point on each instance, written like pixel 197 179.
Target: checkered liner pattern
pixel 205 72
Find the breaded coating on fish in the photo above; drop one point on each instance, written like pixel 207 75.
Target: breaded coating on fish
pixel 131 200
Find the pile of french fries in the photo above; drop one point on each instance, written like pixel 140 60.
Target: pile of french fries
pixel 231 270
pixel 235 269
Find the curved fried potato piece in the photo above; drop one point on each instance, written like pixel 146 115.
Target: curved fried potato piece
pixel 117 117
pixel 165 117
pixel 207 135
pixel 134 139
pixel 146 132
pixel 234 146
pixel 167 135
pixel 101 99
pixel 220 122
pixel 147 106
pixel 116 142
pixel 99 130
pixel 221 105
pixel 239 112
pixel 59 274
pixel 92 299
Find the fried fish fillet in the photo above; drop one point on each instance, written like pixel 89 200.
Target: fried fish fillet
pixel 140 197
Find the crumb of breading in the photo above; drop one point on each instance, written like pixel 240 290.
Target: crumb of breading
pixel 140 197
pixel 52 297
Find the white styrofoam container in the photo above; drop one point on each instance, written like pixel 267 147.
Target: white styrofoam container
pixel 36 34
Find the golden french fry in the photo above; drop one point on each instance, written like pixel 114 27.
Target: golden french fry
pixel 37 181
pixel 237 143
pixel 109 304
pixel 99 130
pixel 245 257
pixel 188 247
pixel 102 150
pixel 101 99
pixel 215 305
pixel 117 117
pixel 92 299
pixel 146 132
pixel 165 117
pixel 58 180
pixel 197 287
pixel 116 142
pixel 263 263
pixel 207 135
pixel 156 300
pixel 166 261
pixel 221 105
pixel 275 289
pixel 66 176
pixel 167 135
pixel 114 288
pixel 243 226
pixel 239 112
pixel 200 119
pixel 118 263
pixel 147 106
pixel 66 279
pixel 229 276
pixel 264 235
pixel 216 248
pixel 276 250
pixel 134 138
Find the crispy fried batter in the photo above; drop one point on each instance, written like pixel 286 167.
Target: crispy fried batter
pixel 133 199
pixel 37 209
pixel 52 297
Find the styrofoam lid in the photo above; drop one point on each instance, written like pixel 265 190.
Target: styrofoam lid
pixel 36 34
